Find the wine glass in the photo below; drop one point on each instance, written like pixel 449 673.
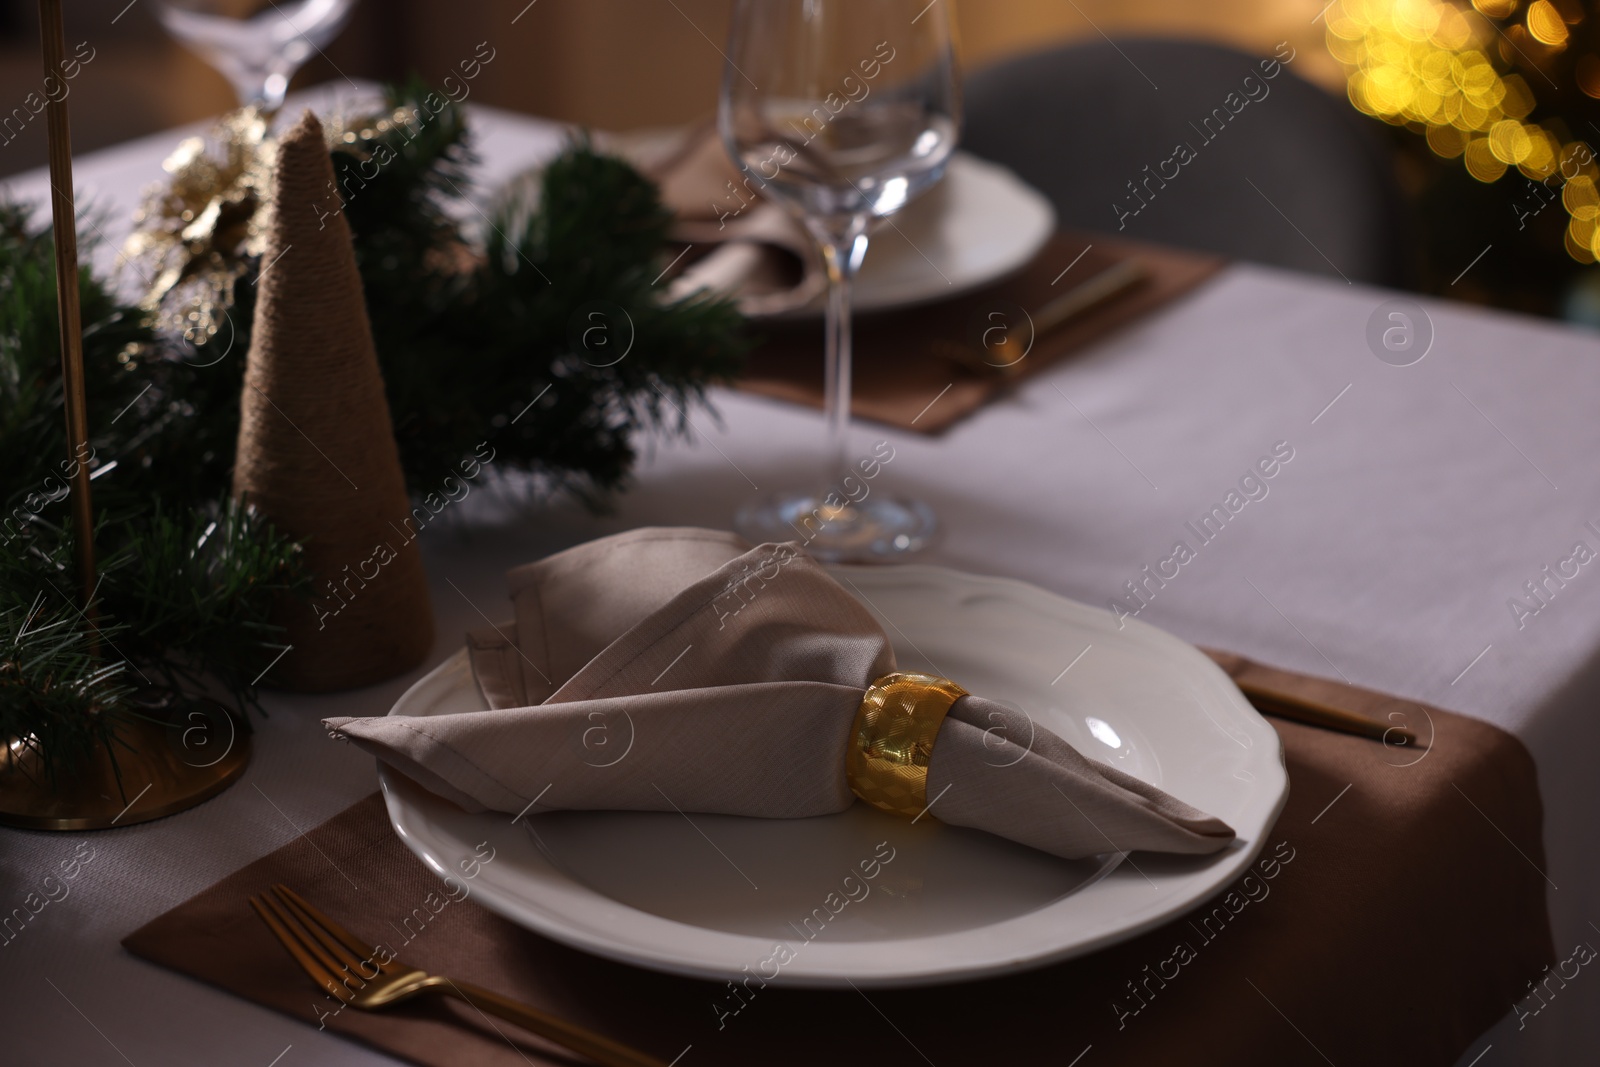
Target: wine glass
pixel 844 111
pixel 256 44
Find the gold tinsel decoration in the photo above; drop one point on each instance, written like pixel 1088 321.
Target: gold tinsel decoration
pixel 198 234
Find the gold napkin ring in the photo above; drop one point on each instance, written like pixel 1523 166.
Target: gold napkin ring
pixel 892 739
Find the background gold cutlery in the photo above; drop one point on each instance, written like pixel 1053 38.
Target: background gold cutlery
pixel 1005 357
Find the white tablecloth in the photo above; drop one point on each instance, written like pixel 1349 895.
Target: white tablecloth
pixel 1414 508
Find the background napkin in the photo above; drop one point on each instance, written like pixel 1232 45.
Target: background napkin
pixel 734 676
pixel 758 252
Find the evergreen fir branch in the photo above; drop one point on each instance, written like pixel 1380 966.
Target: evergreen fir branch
pixel 194 594
pixel 60 698
pixel 172 616
pixel 469 330
pixel 468 339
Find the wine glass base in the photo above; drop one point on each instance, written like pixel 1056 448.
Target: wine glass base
pixel 878 530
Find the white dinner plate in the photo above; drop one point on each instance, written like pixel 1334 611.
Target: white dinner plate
pixel 977 226
pixel 709 895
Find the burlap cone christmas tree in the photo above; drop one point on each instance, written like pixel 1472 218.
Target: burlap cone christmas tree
pixel 316 447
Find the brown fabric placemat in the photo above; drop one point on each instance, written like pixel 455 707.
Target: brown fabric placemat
pixel 1396 913
pixel 900 362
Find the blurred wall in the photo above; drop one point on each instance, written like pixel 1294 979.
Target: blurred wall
pixel 608 63
pixel 625 63
pixel 139 80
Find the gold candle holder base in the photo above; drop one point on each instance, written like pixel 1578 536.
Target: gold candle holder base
pixel 165 767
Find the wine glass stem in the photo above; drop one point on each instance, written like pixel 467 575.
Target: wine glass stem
pixel 261 87
pixel 842 257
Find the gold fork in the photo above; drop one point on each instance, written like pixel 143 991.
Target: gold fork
pixel 357 975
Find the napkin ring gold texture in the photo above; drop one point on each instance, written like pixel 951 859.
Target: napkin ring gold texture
pixel 892 739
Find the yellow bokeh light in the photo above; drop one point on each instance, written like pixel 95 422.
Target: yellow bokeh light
pixel 1430 65
pixel 1577 249
pixel 1545 23
pixel 1509 141
pixel 1454 30
pixel 1482 163
pixel 1417 20
pixel 1581 199
pixel 1583 232
pixel 1518 98
pixel 1446 141
pixel 1540 162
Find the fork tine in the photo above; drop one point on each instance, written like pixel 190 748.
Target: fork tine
pixel 312 915
pixel 336 967
pixel 290 941
pixel 346 959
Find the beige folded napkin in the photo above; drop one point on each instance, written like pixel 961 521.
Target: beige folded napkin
pixel 741 245
pixel 678 669
pixel 758 253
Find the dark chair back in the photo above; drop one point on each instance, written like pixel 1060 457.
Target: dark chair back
pixel 1200 146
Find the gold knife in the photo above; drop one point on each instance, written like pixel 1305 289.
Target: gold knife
pixel 1005 360
pixel 1314 713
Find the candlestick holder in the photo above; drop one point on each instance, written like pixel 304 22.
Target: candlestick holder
pixel 159 759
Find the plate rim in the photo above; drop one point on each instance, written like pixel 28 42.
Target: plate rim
pixel 865 304
pixel 590 937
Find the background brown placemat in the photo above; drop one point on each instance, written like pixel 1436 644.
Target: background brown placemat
pixel 899 370
pixel 1396 913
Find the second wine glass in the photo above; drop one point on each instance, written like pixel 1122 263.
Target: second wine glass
pixel 256 44
pixel 844 111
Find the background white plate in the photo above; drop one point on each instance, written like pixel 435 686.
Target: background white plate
pixel 975 227
pixel 709 895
